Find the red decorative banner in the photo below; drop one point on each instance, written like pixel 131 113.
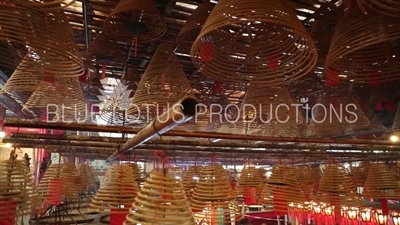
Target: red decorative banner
pixel 206 51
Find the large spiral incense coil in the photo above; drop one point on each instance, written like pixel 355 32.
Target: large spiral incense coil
pixel 136 171
pixel 18 197
pixel 191 178
pixel 336 186
pixel 88 180
pixel 133 19
pixel 161 200
pixel 359 173
pixel 192 27
pixel 38 5
pixel 257 48
pixel 163 83
pixel 213 199
pixel 308 178
pixel 282 189
pixel 175 171
pixel 249 177
pixel 374 122
pixel 62 97
pixel 368 57
pixel 385 7
pixel 10 56
pixel 105 50
pixel 118 190
pixel 381 183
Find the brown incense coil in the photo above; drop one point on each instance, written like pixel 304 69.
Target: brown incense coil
pixel 132 19
pixel 308 179
pixel 118 190
pixel 374 122
pixel 136 171
pixel 368 56
pixel 234 58
pixel 271 110
pixel 75 184
pixel 213 198
pixel 68 186
pixel 114 108
pixel 88 179
pixel 175 171
pixel 18 197
pixel 192 27
pixel 336 185
pixel 131 78
pixel 336 113
pixel 263 173
pixel 385 7
pixel 38 5
pixel 191 178
pixel 10 56
pixel 359 173
pixel 396 120
pixel 161 200
pixel 163 84
pixel 282 189
pixel 105 50
pixel 249 177
pixel 58 99
pixel 381 183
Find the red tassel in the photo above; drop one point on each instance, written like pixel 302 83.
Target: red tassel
pixel 373 79
pixel 103 71
pixel 378 106
pixel 136 45
pixel 250 196
pixel 347 6
pixel 206 51
pixel 389 106
pixel 273 61
pixel 117 218
pixel 82 78
pixel 162 82
pixel 217 87
pixel 332 77
pixel 8 212
pixel 385 207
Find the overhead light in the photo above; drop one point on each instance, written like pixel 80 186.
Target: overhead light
pixel 394 138
pixel 215 140
pixel 2 134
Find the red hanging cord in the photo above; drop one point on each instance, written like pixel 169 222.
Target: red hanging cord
pixel 136 45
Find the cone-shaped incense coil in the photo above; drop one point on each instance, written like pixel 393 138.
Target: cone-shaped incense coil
pixel 59 182
pixel 87 177
pixel 191 178
pixel 175 171
pixel 10 56
pixel 249 177
pixel 308 179
pixel 136 171
pixel 336 113
pixel 163 84
pixel 234 58
pixel 381 183
pixel 359 173
pixel 396 120
pixel 282 189
pixel 213 198
pixel 192 27
pixel 39 5
pixel 336 186
pixel 18 196
pixel 271 111
pixel 104 49
pixel 62 97
pixel 161 200
pixel 375 44
pixel 132 19
pixel 76 184
pixel 118 190
pixel 385 7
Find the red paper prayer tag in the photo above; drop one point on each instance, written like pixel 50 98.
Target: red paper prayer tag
pixel 217 87
pixel 273 61
pixel 332 77
pixel 206 51
pixel 103 71
pixel 373 79
pixel 389 106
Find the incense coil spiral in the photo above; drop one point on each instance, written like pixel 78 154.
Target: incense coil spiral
pixel 164 82
pixel 175 171
pixel 10 56
pixel 336 186
pixel 18 197
pixel 308 179
pixel 76 185
pixel 359 173
pixel 213 198
pixel 38 5
pixel 136 171
pixel 381 183
pixel 103 49
pixel 282 189
pixel 62 96
pixel 385 7
pixel 249 177
pixel 161 200
pixel 87 177
pixel 192 27
pixel 365 58
pixel 191 178
pixel 118 190
pixel 133 19
pixel 234 58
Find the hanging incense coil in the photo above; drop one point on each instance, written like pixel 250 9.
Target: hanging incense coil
pixel 136 171
pixel 396 120
pixel 367 57
pixel 10 56
pixel 191 178
pixel 63 97
pixel 336 186
pixel 385 7
pixel 175 171
pixel 118 190
pixel 133 19
pixel 164 82
pixel 104 50
pixel 41 5
pixel 282 189
pixel 308 178
pixel 336 113
pixel 18 195
pixel 359 173
pixel 381 183
pixel 271 112
pixel 131 78
pixel 88 179
pixel 249 177
pixel 213 198
pixel 234 58
pixel 374 122
pixel 192 27
pixel 161 200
